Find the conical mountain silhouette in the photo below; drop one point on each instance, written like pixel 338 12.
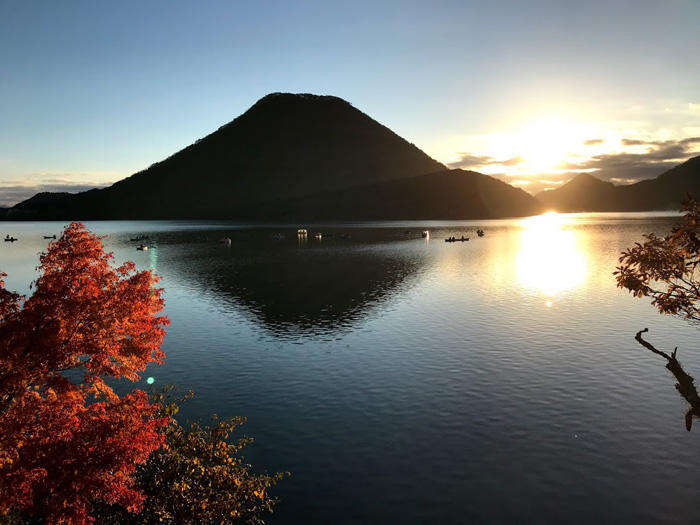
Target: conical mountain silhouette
pixel 289 155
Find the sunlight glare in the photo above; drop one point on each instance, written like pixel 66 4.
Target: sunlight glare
pixel 549 259
pixel 547 142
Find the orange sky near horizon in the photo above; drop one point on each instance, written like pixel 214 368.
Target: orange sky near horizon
pixel 547 151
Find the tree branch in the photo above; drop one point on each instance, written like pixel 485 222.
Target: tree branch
pixel 686 382
pixel 645 344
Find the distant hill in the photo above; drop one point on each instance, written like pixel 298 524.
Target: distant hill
pixel 583 192
pixel 587 193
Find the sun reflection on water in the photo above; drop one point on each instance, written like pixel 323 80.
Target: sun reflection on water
pixel 550 259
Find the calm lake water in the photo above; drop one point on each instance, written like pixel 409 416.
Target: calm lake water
pixel 407 380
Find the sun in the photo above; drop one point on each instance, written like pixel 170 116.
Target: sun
pixel 537 147
pixel 546 143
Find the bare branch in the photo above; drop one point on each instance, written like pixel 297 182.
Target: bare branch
pixel 686 383
pixel 651 347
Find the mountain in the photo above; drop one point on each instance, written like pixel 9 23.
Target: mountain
pixel 446 194
pixel 285 146
pixel 587 193
pixel 583 192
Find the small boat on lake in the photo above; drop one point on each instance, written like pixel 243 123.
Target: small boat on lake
pixel 225 241
pixel 301 232
pixel 480 232
pixel 456 239
pixel 425 234
pixel 142 247
pixel 50 236
pixel 10 239
pixel 319 236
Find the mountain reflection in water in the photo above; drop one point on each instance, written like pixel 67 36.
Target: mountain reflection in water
pixel 294 287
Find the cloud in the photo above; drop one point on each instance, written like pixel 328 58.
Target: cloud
pixel 535 184
pixel 511 162
pixel 593 142
pixel 548 181
pixel 12 192
pixel 660 156
pixel 470 161
pixel 467 160
pixel 633 142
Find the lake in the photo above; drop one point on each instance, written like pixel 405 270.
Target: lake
pixel 408 380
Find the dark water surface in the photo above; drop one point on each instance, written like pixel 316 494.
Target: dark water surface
pixel 410 381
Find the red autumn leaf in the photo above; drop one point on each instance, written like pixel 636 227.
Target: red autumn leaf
pixel 64 443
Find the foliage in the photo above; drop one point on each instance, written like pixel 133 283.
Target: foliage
pixel 664 268
pixel 198 476
pixel 71 450
pixel 67 443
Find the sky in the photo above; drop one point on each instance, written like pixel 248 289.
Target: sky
pixel 530 92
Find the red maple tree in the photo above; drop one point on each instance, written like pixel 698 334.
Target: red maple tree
pixel 67 439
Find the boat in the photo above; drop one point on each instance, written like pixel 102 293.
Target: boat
pixel 142 247
pixel 10 239
pixel 302 232
pixel 50 236
pixel 226 241
pixel 319 236
pixel 425 234
pixel 455 239
pixel 480 232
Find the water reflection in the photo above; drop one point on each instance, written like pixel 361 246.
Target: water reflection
pixel 300 286
pixel 153 258
pixel 551 258
pixel 453 338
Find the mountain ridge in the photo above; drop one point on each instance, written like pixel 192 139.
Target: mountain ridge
pixel 585 192
pixel 292 156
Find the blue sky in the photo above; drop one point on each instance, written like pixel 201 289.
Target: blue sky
pixel 91 92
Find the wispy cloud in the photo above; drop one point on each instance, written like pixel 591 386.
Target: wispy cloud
pixel 638 159
pixel 660 155
pixel 470 161
pixel 536 184
pixel 633 142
